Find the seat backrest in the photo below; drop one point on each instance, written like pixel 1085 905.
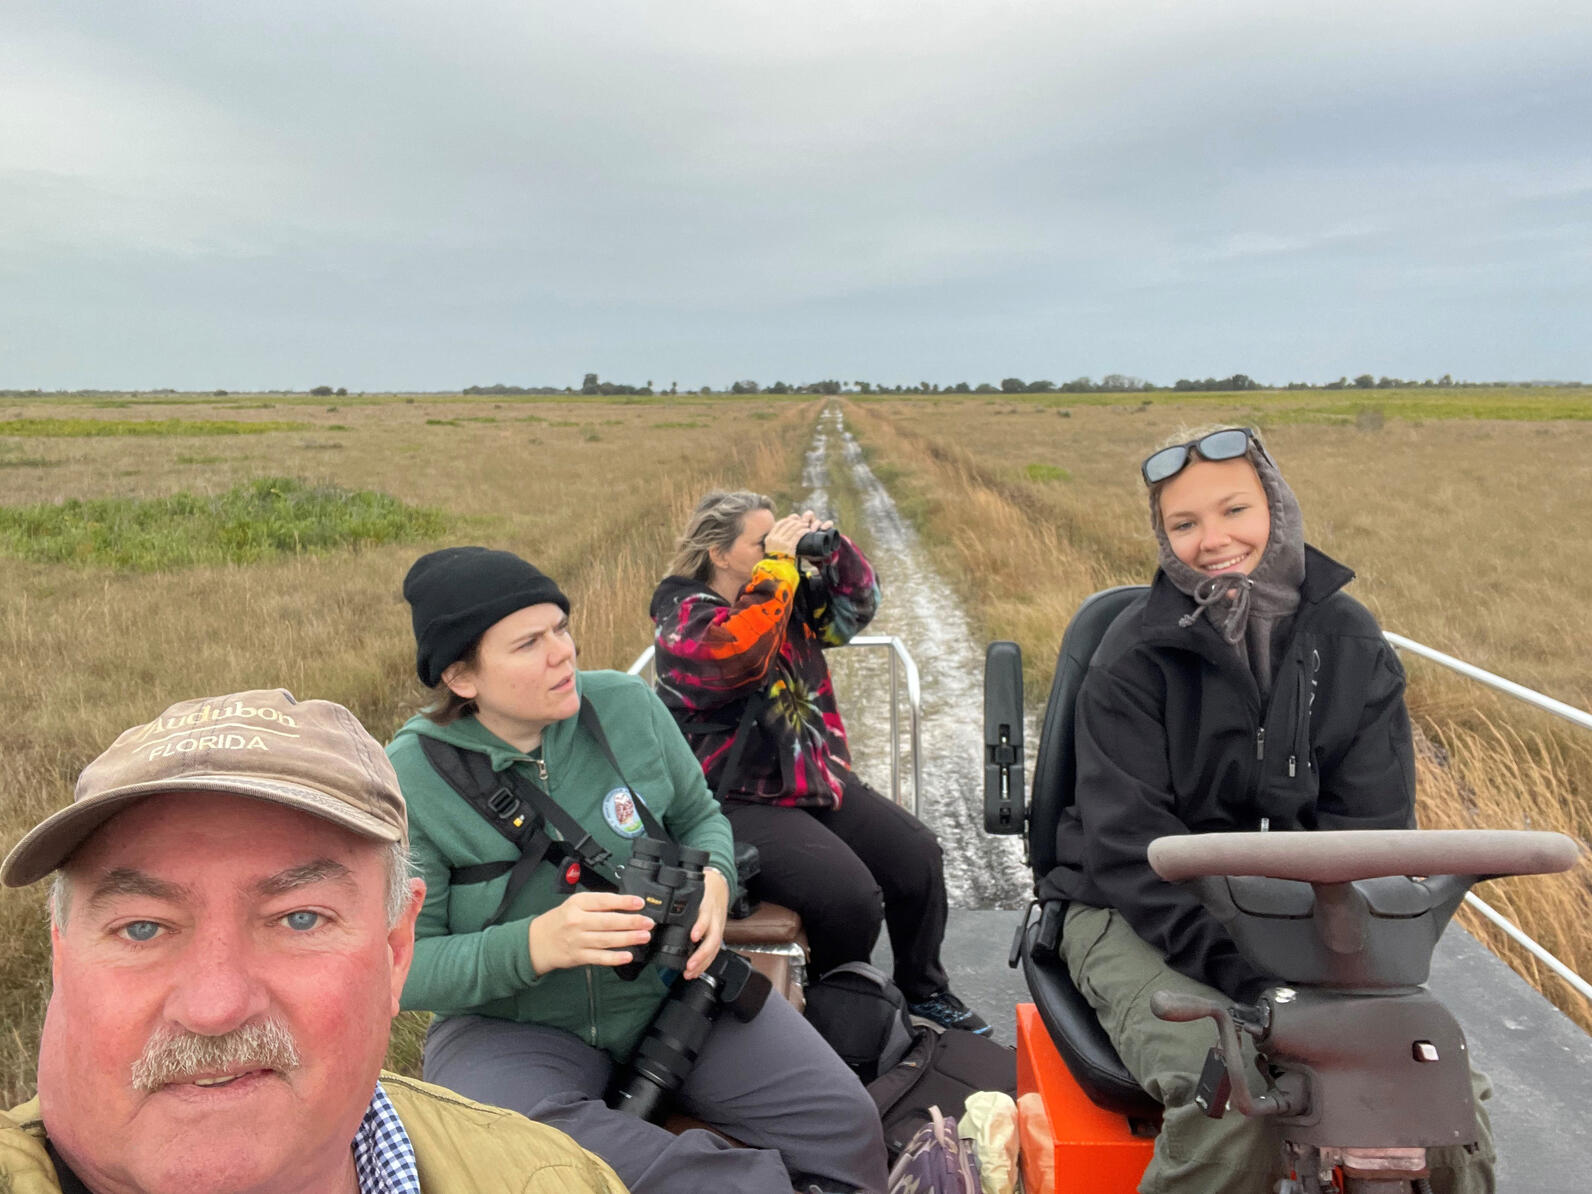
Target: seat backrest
pixel 1055 769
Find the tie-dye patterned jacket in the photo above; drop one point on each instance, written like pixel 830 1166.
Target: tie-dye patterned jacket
pixel 713 657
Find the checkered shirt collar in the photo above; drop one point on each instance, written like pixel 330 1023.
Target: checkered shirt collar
pixel 383 1157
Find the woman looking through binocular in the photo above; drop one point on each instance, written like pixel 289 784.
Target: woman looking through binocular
pixel 518 956
pixel 742 623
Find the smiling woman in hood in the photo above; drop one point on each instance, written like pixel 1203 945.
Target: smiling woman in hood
pixel 1245 691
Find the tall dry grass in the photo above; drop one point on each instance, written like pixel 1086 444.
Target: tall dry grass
pixel 593 493
pixel 1496 768
pixel 1464 533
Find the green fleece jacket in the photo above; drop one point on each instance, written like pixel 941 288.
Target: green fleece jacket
pixel 462 965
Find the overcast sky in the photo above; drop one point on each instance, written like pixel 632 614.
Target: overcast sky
pixel 423 195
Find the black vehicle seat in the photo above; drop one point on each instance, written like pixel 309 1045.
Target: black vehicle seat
pixel 1072 1024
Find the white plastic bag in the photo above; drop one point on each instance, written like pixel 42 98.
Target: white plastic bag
pixel 989 1121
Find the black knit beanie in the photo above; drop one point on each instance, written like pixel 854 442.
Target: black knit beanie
pixel 459 593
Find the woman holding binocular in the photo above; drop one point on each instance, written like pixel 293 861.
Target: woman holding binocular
pixel 742 623
pixel 523 932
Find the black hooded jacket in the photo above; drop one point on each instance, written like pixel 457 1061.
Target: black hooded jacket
pixel 1173 737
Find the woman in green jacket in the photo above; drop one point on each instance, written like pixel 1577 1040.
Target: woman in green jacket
pixel 531 1012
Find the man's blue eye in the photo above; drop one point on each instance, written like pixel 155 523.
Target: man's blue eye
pixel 301 922
pixel 141 930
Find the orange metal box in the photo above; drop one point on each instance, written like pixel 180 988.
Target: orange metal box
pixel 1069 1145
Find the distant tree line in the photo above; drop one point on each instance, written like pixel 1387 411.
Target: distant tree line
pixel 1366 382
pixel 1238 381
pixel 1111 383
pixel 827 386
pixel 503 390
pixel 500 390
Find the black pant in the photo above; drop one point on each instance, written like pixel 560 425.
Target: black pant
pixel 845 870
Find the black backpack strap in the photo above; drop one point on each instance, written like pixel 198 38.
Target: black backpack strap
pixel 535 850
pixel 481 872
pixel 578 841
pixel 594 727
pixel 513 805
pixel 732 765
pixel 508 802
pixel 470 774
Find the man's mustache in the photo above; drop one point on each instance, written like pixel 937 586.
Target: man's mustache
pixel 174 1056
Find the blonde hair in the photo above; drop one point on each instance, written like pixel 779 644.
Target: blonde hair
pixel 715 524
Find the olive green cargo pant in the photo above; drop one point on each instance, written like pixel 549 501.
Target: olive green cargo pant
pixel 1117 973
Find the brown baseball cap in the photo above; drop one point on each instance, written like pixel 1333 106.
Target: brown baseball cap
pixel 309 755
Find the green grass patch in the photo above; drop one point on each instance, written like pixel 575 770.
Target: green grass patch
pixel 681 423
pixel 258 520
pixel 1576 408
pixel 29 462
pixel 442 422
pixel 1046 472
pixel 192 458
pixel 98 427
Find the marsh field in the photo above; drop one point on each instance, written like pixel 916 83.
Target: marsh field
pixel 158 547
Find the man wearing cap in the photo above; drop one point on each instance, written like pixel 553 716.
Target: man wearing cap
pixel 231 926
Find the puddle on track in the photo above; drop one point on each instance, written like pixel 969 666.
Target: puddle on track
pixel 924 612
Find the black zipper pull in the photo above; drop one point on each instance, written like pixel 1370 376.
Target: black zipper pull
pixel 1260 743
pixel 1293 766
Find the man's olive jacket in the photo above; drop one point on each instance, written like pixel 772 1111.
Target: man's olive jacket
pixel 461 1147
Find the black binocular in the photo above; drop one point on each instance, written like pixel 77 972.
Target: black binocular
pixel 818 545
pixel 668 878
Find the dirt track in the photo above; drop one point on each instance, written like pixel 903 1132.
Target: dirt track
pixel 922 610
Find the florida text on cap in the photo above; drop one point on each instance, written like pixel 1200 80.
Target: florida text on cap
pixel 309 755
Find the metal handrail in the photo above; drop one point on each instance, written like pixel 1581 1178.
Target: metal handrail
pixel 901 664
pixel 1530 696
pixel 1514 933
pixel 1520 692
pixel 642 663
pixel 902 667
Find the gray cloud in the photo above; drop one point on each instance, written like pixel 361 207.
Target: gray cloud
pixel 415 196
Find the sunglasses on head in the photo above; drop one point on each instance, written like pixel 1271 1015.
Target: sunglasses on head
pixel 1227 444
